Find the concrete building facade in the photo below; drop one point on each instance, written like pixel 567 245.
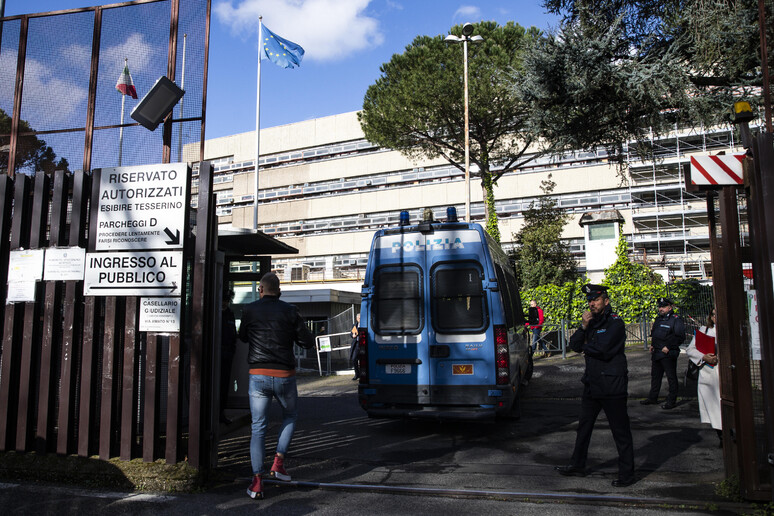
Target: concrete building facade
pixel 324 189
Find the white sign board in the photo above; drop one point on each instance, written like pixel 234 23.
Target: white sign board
pixel 141 207
pixel 150 273
pixel 25 265
pixel 160 314
pixel 64 264
pixel 21 291
pixel 325 343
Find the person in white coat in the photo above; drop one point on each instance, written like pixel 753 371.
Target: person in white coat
pixel 709 380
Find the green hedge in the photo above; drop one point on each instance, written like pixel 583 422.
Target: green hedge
pixel 631 302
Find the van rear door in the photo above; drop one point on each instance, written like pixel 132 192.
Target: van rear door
pixel 461 351
pixel 398 317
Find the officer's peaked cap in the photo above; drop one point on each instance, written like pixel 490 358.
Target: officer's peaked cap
pixel 593 291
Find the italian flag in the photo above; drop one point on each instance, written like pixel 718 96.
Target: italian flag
pixel 125 84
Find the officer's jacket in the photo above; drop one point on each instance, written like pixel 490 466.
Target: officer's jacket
pixel 603 343
pixel 668 330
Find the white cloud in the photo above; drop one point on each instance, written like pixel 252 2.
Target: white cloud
pixel 42 80
pixel 77 56
pixel 327 29
pixel 467 13
pixel 139 52
pixel 40 84
pixel 111 60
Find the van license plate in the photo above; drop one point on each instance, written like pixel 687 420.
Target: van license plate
pixel 398 368
pixel 466 369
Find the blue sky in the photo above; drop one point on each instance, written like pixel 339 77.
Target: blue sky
pixel 346 41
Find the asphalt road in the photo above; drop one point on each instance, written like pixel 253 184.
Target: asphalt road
pixel 677 458
pixel 342 462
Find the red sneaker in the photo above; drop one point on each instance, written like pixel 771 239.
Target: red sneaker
pixel 255 490
pixel 278 469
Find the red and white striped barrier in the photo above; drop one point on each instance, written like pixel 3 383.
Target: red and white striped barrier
pixel 717 170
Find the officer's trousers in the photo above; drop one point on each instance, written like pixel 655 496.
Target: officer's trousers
pixel 618 419
pixel 668 366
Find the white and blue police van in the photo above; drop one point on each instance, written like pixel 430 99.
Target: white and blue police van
pixel 442 329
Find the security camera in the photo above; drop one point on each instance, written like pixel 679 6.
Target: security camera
pixel 467 29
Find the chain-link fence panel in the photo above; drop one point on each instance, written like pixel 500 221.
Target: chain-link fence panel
pixel 334 340
pixel 60 102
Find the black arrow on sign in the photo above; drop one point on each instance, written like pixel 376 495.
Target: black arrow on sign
pixel 173 239
pixel 171 288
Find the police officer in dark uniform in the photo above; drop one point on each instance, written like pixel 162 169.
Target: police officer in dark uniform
pixel 667 334
pixel 602 338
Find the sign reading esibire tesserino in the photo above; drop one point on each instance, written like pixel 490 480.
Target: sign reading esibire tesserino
pixel 141 207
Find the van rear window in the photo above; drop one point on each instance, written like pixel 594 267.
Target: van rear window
pixel 458 299
pixel 398 301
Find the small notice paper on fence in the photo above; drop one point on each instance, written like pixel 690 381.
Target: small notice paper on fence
pixel 25 268
pixel 160 314
pixel 325 343
pixel 64 264
pixel 25 265
pixel 21 292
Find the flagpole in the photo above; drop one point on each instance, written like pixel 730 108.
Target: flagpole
pixel 257 123
pixel 180 124
pixel 121 129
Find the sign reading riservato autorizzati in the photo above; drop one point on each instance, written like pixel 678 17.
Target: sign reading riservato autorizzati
pixel 141 207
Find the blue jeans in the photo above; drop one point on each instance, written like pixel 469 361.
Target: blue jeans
pixel 261 390
pixel 536 339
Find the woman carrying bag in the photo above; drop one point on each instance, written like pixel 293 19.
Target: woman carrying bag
pixel 702 352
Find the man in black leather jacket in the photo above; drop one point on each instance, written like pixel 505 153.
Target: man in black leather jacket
pixel 667 334
pixel 602 338
pixel 271 327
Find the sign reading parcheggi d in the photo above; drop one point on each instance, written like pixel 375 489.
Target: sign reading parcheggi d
pixel 141 207
pixel 152 273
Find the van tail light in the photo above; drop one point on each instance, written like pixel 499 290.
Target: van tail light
pixel 362 354
pixel 502 358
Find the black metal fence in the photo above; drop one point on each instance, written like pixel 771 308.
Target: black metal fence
pixel 77 374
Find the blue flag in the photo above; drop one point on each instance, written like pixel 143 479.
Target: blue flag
pixel 282 52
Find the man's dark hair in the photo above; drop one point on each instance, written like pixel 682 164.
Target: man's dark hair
pixel 270 283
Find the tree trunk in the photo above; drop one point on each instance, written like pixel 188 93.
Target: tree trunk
pixel 489 206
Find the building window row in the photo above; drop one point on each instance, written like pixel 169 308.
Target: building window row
pixel 505 209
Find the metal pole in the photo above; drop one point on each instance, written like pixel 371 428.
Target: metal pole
pixel 2 15
pixel 764 64
pixel 257 123
pixel 121 129
pixel 467 131
pixel 257 143
pixel 180 124
pixel 760 174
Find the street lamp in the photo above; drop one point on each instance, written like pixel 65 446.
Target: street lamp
pixel 466 37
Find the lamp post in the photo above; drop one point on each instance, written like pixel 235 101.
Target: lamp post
pixel 466 37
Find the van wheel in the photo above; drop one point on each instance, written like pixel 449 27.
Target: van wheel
pixel 530 367
pixel 514 413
